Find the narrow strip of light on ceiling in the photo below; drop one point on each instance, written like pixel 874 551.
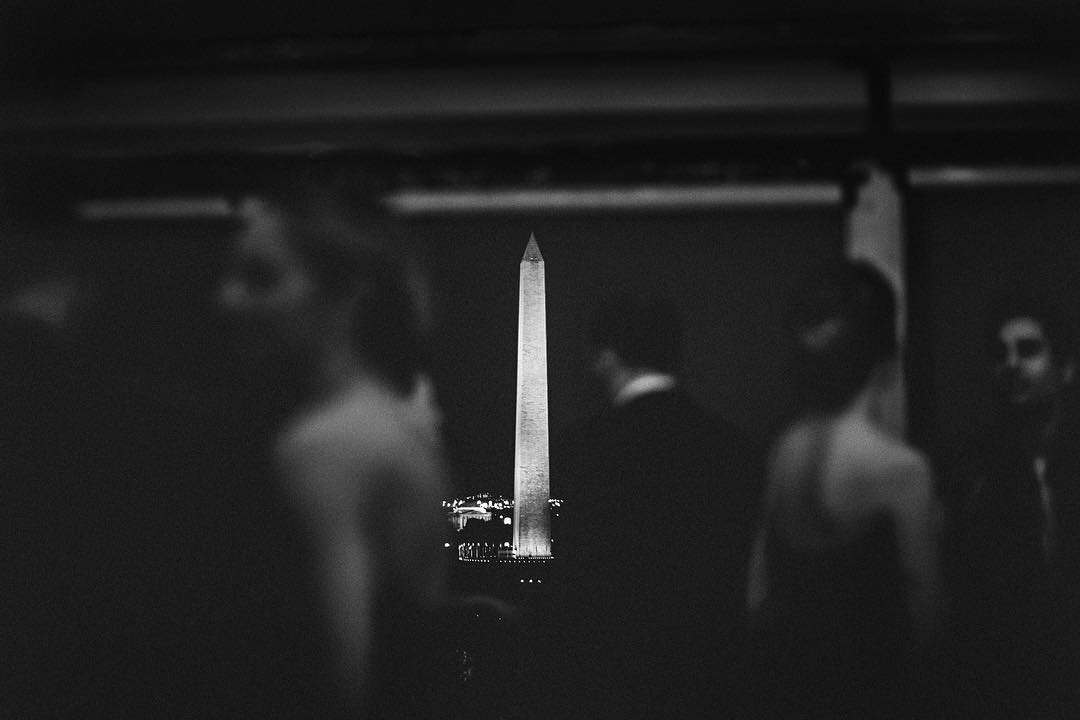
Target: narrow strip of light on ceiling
pixel 992 175
pixel 154 208
pixel 415 201
pixel 652 197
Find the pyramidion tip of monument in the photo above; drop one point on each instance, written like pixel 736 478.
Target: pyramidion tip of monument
pixel 532 250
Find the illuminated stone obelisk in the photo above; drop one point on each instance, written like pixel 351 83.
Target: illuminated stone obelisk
pixel 532 520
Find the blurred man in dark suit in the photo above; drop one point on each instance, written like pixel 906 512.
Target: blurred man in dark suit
pixel 659 496
pixel 1017 533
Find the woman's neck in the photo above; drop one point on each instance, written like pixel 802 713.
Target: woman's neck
pixel 869 403
pixel 334 372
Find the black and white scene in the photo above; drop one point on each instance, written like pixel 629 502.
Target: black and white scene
pixel 544 361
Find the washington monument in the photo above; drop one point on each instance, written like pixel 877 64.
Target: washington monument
pixel 532 523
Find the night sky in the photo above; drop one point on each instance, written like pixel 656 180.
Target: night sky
pixel 730 272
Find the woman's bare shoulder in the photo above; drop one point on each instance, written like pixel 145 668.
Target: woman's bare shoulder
pixel 893 473
pixel 347 451
pixel 870 472
pixel 354 425
pixel 870 450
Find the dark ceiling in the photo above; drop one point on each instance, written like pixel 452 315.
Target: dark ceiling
pixel 53 39
pixel 244 18
pixel 47 47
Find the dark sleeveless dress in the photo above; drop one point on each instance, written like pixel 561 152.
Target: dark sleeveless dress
pixel 832 636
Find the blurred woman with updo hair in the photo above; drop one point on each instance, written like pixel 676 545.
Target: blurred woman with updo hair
pixel 845 588
pixel 326 299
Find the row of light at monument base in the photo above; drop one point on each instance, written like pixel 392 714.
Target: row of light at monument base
pixel 485 508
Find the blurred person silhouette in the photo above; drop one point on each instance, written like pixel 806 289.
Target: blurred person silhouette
pixel 659 498
pixel 1016 555
pixel 845 589
pixel 320 290
pixel 55 496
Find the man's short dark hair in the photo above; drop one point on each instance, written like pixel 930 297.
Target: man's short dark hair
pixel 1057 324
pixel 644 330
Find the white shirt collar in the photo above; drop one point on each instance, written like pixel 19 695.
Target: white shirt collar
pixel 642 385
